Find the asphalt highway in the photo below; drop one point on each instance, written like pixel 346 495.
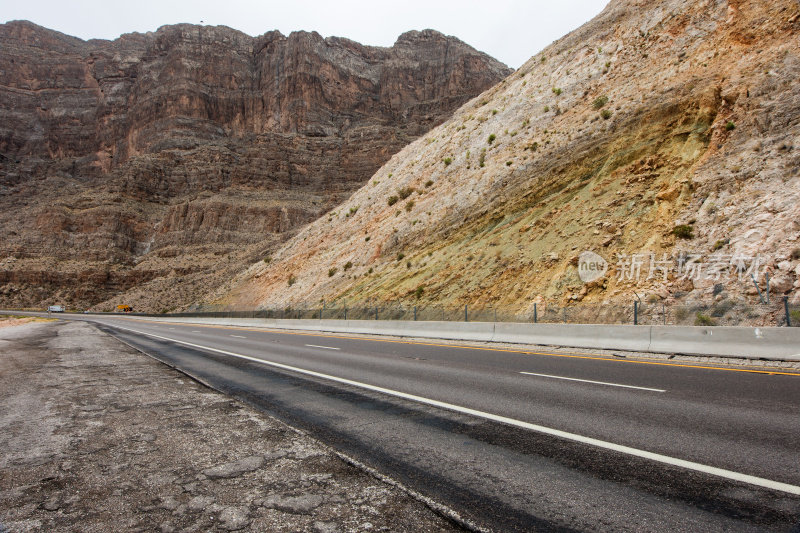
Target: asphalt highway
pixel 521 440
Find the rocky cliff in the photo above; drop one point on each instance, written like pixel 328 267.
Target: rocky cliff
pixel 662 136
pixel 147 168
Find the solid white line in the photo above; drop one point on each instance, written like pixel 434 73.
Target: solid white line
pixel 239 336
pixel 595 382
pixel 721 472
pixel 323 347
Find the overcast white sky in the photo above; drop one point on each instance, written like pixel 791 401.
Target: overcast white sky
pixel 509 30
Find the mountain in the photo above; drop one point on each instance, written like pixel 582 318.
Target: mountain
pixel 147 169
pixel 662 136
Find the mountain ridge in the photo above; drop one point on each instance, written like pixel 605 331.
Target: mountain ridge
pixel 146 153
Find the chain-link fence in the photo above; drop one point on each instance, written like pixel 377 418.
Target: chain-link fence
pixel 722 313
pixel 793 314
pixel 725 312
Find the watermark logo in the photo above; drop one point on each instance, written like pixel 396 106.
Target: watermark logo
pixel 691 266
pixel 591 266
pixel 635 267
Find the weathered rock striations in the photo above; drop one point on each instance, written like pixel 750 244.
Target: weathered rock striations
pixel 657 129
pixel 166 161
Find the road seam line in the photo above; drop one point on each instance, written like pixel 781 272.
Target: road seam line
pixel 690 465
pixel 595 382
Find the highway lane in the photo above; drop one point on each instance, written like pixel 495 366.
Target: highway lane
pixel 732 420
pixel 740 421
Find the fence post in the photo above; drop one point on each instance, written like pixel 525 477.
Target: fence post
pixel 322 311
pixel 495 314
pixel 415 313
pixel 786 309
pixel 376 312
pixel 345 311
pixel 635 313
pixel 466 315
pixel 565 314
pixel 766 275
pixel 535 317
pixel 760 297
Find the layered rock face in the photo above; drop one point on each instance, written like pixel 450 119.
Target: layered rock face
pixel 661 136
pixel 161 163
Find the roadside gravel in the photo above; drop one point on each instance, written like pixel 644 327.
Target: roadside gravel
pixel 98 437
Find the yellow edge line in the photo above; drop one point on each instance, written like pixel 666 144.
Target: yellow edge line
pixel 596 357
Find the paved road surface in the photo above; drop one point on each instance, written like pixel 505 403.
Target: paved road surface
pixel 478 429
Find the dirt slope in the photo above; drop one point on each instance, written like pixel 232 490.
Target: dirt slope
pixel 657 128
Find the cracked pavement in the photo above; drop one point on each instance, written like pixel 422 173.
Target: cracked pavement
pixel 97 436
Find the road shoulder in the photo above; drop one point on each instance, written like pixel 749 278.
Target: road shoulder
pixel 98 436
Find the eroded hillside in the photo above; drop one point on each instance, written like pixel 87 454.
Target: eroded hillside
pixel 667 129
pixel 148 169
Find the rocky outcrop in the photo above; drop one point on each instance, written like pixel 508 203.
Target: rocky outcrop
pixel 656 135
pixel 198 137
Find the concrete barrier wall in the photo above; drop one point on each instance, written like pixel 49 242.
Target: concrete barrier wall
pixel 634 338
pixel 467 331
pixel 766 343
pixel 759 343
pixel 446 330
